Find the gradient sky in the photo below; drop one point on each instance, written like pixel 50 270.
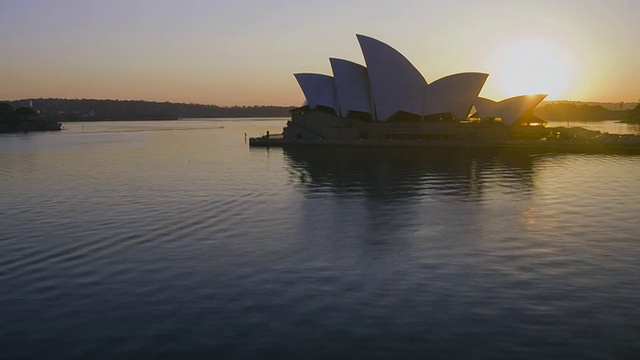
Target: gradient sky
pixel 244 52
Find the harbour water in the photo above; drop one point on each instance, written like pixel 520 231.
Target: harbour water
pixel 174 238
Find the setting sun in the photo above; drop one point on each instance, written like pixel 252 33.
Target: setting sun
pixel 532 66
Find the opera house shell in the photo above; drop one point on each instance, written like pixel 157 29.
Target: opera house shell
pixel 389 99
pixel 390 84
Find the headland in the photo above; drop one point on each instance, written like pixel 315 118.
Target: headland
pixel 24 119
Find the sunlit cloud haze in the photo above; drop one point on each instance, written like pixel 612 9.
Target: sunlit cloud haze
pixel 245 52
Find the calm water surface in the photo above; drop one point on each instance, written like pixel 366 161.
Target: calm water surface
pixel 607 126
pixel 167 239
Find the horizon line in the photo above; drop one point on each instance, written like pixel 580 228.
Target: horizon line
pixel 272 105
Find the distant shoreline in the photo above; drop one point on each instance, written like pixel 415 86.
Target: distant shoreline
pixel 73 110
pixel 23 120
pixel 79 110
pixel 173 119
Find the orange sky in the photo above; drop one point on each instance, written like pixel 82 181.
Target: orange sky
pixel 245 52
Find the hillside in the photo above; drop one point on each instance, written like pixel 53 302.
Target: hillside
pixel 94 110
pixel 633 116
pixel 24 119
pixel 575 111
pixel 606 105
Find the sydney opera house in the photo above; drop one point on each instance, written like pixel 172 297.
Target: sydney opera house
pixel 390 100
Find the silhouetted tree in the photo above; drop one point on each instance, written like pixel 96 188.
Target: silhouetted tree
pixel 633 116
pixel 88 109
pixel 5 109
pixel 26 111
pixel 24 119
pixel 573 112
pixel 7 114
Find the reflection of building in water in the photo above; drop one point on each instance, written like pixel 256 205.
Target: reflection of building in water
pixel 402 173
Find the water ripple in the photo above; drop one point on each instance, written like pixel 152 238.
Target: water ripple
pixel 138 242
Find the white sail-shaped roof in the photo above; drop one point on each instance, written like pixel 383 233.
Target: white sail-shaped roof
pixel 508 109
pixel 487 108
pixel 319 89
pixel 396 85
pixel 458 92
pixel 432 103
pixel 353 89
pixel 390 84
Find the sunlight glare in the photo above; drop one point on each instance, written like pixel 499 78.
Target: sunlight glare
pixel 532 66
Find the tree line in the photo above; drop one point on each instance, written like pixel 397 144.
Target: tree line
pixel 633 116
pixel 24 119
pixel 91 109
pixel 566 111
